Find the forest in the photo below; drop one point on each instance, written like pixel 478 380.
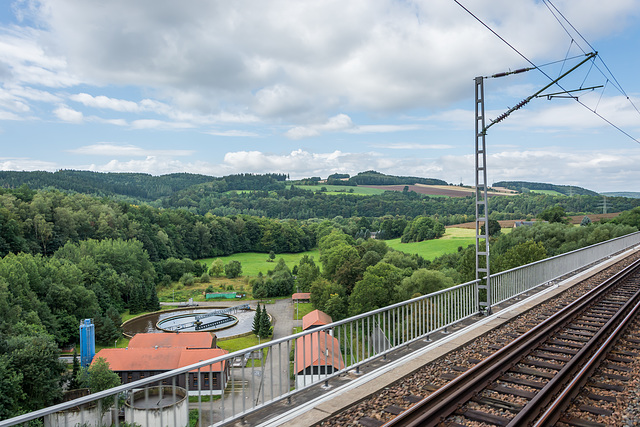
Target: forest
pixel 524 186
pixel 66 255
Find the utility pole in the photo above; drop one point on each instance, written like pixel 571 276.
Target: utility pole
pixel 482 203
pixel 483 271
pixel 604 204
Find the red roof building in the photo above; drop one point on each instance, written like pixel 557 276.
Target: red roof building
pixel 318 353
pixel 173 340
pixel 132 364
pixel 315 319
pixel 301 296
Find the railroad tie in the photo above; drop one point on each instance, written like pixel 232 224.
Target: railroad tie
pixel 484 417
pixel 370 422
pixel 579 422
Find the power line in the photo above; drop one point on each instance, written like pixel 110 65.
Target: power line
pixel 544 73
pixel 613 77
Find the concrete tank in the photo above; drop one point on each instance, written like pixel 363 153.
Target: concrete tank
pixel 158 407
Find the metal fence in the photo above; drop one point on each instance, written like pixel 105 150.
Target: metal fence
pixel 275 371
pixel 511 283
pixel 253 378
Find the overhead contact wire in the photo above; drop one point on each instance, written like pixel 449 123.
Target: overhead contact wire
pixel 544 73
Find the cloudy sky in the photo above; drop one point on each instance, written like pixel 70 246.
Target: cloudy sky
pixel 311 88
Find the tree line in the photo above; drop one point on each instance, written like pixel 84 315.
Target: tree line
pixel 363 275
pixel 134 186
pixel 44 221
pixel 43 300
pixel 295 202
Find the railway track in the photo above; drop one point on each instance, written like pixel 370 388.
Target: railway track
pixel 532 380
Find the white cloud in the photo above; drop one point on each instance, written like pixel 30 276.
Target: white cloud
pixel 121 150
pixel 414 146
pixel 159 124
pixel 26 164
pixel 23 50
pixel 385 128
pixel 153 165
pixel 67 114
pixel 106 102
pixel 280 59
pixel 338 123
pixel 598 171
pixel 233 133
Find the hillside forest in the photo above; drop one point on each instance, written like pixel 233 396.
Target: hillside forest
pixel 77 245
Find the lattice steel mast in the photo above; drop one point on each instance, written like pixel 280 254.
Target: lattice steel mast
pixel 483 270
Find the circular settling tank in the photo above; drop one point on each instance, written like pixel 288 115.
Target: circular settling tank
pixel 196 322
pixel 148 323
pixel 158 406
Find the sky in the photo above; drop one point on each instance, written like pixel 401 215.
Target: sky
pixel 311 88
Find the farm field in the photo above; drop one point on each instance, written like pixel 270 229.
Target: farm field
pixel 254 262
pixel 436 190
pixel 430 249
pixel 547 192
pixel 342 189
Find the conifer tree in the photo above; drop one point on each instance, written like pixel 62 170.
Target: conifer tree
pixel 73 379
pixel 265 324
pixel 256 320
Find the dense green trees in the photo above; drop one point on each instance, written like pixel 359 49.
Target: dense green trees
pixel 494 228
pixel 381 276
pixel 554 214
pixel 261 322
pixel 306 272
pixel 422 228
pixel 30 372
pixel 99 377
pixel 233 269
pixel 278 282
pixel 422 282
pixel 630 218
pixel 42 222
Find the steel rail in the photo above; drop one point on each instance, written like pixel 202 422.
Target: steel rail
pixel 443 402
pixel 556 408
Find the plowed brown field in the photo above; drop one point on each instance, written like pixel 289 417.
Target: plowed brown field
pixel 434 190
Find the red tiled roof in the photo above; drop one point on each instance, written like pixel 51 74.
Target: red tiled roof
pixel 172 340
pixel 315 318
pixel 318 349
pixel 301 295
pixel 160 359
pixel 189 357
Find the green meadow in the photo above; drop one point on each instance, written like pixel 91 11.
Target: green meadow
pixel 430 249
pixel 547 192
pixel 342 189
pixel 253 262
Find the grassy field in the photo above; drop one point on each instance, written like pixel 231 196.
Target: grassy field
pixel 547 192
pixel 301 309
pixel 342 189
pixel 240 343
pixel 177 292
pixel 430 249
pixel 253 262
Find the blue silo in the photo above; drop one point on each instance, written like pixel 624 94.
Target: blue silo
pixel 87 342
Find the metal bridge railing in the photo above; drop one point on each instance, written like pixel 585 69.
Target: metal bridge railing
pixel 511 283
pixel 282 368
